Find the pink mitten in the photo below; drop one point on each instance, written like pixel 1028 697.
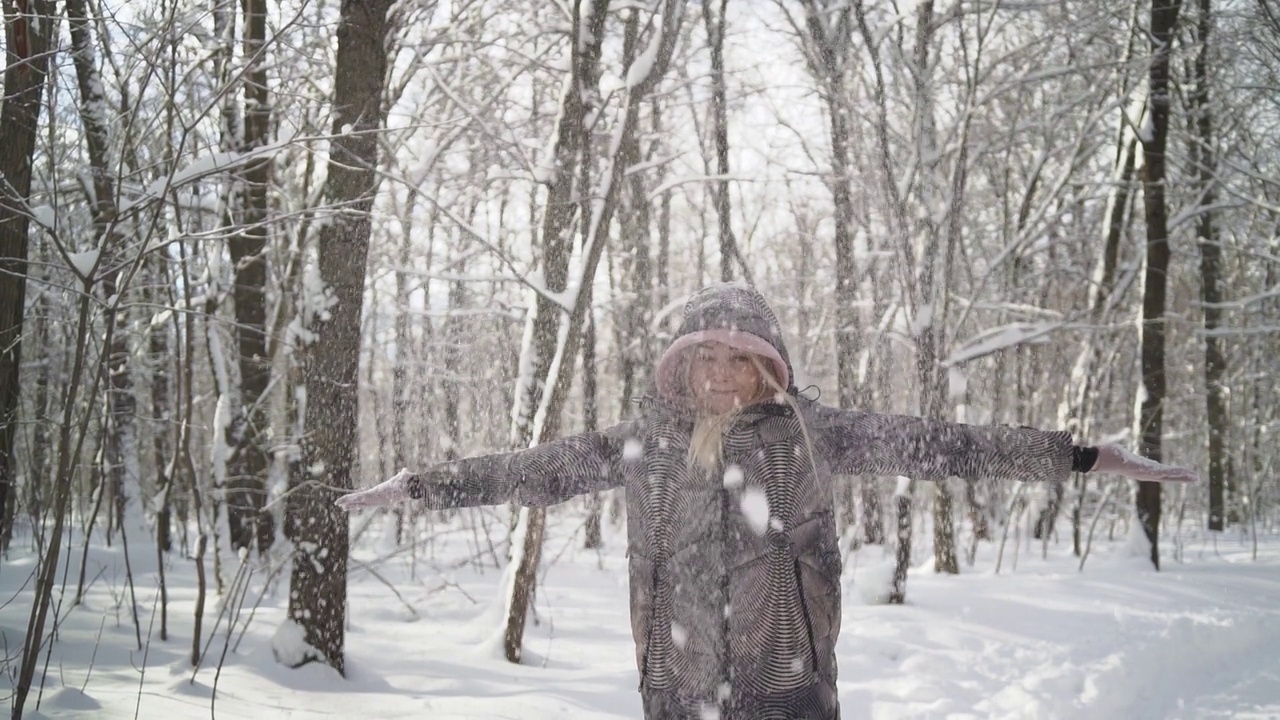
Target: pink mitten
pixel 1115 459
pixel 391 492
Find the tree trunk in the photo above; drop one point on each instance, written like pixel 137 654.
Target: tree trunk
pixel 1164 20
pixel 900 227
pixel 26 62
pixel 929 305
pixel 902 546
pixel 247 522
pixel 1083 383
pixel 579 96
pixel 590 423
pixel 41 415
pixel 455 334
pixel 317 528
pixel 713 17
pixel 400 369
pixel 1211 281
pixel 662 276
pixel 827 32
pixel 159 355
pixel 34 639
pixel 595 229
pixel 121 457
pixel 121 441
pixel 632 321
pixel 228 395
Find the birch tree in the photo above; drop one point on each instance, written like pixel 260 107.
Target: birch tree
pixel 927 292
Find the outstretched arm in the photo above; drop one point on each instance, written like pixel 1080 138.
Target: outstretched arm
pixel 541 475
pixel 864 443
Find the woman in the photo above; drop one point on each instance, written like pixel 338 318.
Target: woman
pixel 734 563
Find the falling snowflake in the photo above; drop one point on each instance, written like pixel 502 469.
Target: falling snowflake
pixel 733 477
pixel 678 635
pixel 755 508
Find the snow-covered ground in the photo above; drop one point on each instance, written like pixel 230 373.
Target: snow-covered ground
pixel 1040 640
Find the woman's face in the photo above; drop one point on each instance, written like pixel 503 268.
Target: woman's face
pixel 722 378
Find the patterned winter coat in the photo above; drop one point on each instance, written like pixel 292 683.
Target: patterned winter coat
pixel 735 573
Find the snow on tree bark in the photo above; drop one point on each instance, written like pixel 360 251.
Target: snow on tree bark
pixel 544 335
pixel 246 493
pixel 121 441
pixel 827 33
pixel 317 528
pixel 545 420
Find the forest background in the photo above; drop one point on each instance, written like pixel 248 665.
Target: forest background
pixel 254 254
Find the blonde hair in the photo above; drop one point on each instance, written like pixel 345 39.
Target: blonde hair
pixel 706 442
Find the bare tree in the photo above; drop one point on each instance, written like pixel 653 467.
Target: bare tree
pixel 923 263
pixel 714 21
pixel 317 528
pixel 247 463
pixel 595 230
pixel 29 30
pixel 634 290
pixel 827 38
pixel 579 98
pixel 159 369
pixel 29 25
pixel 590 423
pixel 122 439
pixel 1204 165
pixel 1164 21
pixel 1084 384
pixel 898 224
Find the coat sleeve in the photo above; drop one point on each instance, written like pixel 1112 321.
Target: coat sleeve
pixel 542 475
pixel 865 443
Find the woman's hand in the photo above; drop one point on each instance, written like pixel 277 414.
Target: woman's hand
pixel 391 492
pixel 1115 459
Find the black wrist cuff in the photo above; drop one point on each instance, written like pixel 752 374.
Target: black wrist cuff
pixel 415 487
pixel 1083 458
